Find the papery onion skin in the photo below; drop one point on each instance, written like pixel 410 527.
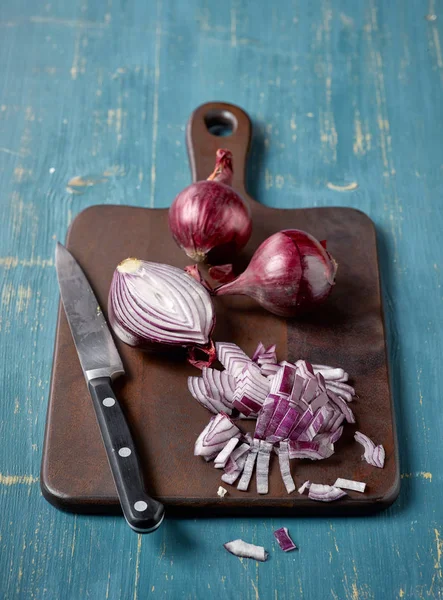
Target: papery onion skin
pixel 209 216
pixel 154 306
pixel 289 274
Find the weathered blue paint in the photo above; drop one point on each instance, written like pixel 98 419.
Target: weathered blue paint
pixel 343 94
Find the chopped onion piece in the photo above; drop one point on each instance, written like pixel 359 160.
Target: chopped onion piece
pixel 290 419
pixel 284 540
pixel 297 388
pixel 232 358
pixel 263 458
pixel 198 389
pixel 325 493
pixel 310 390
pixel 233 461
pixel 342 406
pixel 279 413
pixel 329 373
pixel 245 550
pixel 265 415
pixel 269 370
pixel 374 455
pixel 285 468
pixel 249 467
pixel 260 350
pixel 222 457
pixel 284 379
pixel 305 486
pixel 231 476
pixel 312 450
pixel 219 385
pixel 215 436
pixel 322 416
pixel 302 424
pixel 349 484
pixel 222 491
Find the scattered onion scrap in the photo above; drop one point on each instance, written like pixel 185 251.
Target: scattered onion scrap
pixel 245 550
pixel 284 540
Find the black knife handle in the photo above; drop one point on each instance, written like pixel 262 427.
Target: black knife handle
pixel 143 513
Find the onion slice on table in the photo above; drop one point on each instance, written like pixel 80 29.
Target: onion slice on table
pixel 244 550
pixel 284 540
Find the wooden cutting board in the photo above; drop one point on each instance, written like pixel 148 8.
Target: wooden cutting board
pixel 165 419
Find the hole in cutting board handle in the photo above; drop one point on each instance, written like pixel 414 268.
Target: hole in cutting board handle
pixel 220 123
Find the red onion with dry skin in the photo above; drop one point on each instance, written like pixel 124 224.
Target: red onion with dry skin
pixel 209 216
pixel 290 273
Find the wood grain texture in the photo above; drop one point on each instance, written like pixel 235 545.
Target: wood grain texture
pixel 346 103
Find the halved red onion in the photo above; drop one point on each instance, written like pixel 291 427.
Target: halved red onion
pixel 263 458
pixel 305 486
pixel 215 436
pixel 245 550
pixel 325 493
pixel 374 455
pixel 248 469
pixel 152 304
pixel 222 457
pixel 284 540
pixel 285 467
pixel 349 484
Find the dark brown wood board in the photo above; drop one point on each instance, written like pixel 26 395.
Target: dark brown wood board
pixel 348 332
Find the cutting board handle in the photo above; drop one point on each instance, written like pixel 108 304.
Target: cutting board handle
pixel 218 125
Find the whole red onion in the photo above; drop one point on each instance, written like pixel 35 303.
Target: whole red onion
pixel 290 272
pixel 209 215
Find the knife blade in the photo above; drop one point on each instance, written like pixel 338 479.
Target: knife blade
pixel 101 364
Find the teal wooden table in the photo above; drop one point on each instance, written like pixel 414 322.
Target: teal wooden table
pixel 346 99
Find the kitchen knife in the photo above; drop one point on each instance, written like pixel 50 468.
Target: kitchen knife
pixel 101 364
